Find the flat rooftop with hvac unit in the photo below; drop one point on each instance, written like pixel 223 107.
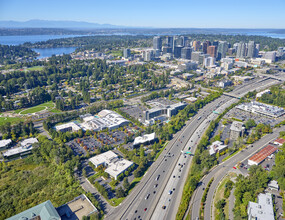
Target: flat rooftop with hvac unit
pixel 115 165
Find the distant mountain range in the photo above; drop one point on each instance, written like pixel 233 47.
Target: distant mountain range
pixel 55 24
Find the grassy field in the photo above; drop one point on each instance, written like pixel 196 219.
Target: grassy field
pixel 48 105
pixel 3 120
pixel 219 194
pixel 33 110
pixel 35 68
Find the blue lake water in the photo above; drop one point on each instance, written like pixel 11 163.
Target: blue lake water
pixel 48 52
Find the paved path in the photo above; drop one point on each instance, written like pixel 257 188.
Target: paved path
pixel 88 187
pixel 231 204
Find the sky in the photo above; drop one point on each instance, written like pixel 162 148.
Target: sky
pixel 152 13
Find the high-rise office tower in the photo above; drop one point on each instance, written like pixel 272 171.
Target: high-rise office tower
pixel 127 52
pixel 166 50
pixel 148 55
pixel 215 43
pixel 256 50
pixel 196 55
pixel 251 49
pixel 186 53
pixel 212 51
pixel 157 43
pixel 196 45
pixel 177 51
pixel 204 47
pixel 241 50
pixel 222 50
pixel 185 42
pixel 169 41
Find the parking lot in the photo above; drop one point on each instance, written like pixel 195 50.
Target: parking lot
pixel 160 102
pixel 135 111
pixel 81 146
pixel 244 116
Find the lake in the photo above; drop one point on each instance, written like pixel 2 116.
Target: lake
pixel 48 52
pixel 44 52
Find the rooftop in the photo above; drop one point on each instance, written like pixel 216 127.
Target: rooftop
pixel 74 126
pixel 43 211
pixel 18 150
pixel 106 157
pixel 76 209
pixel 263 209
pixel 261 155
pixel 29 141
pixel 143 139
pixel 237 126
pixel 4 143
pixel 216 146
pixel 118 166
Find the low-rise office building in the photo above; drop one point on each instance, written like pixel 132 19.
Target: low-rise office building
pixel 4 144
pixel 145 139
pixel 261 210
pixel 115 165
pixel 43 211
pixel 263 109
pixel 71 127
pixel 236 130
pixel 168 110
pixel 106 119
pixel 216 147
pixel 260 156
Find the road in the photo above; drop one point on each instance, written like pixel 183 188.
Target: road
pixel 137 205
pixel 173 201
pixel 221 170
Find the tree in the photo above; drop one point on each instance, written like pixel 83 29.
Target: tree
pixel 221 204
pixel 120 192
pixel 126 184
pixel 250 123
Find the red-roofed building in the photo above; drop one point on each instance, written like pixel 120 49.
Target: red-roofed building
pixel 279 141
pixel 260 156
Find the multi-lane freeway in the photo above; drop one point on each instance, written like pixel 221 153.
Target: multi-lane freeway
pixel 160 190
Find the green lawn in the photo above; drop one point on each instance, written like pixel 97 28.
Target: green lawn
pixel 33 110
pixel 35 68
pixel 3 120
pixel 37 108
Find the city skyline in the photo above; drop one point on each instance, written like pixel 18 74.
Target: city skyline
pixel 158 14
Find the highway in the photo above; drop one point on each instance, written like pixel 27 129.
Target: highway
pixel 172 201
pixel 221 170
pixel 139 204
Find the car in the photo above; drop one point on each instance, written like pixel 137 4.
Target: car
pixel 165 159
pixel 170 192
pixel 157 178
pixel 163 207
pixel 173 189
pixel 189 148
pixel 154 192
pixel 235 168
pixel 145 209
pixel 155 185
pixel 136 211
pixel 179 170
pixel 147 196
pixel 173 176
